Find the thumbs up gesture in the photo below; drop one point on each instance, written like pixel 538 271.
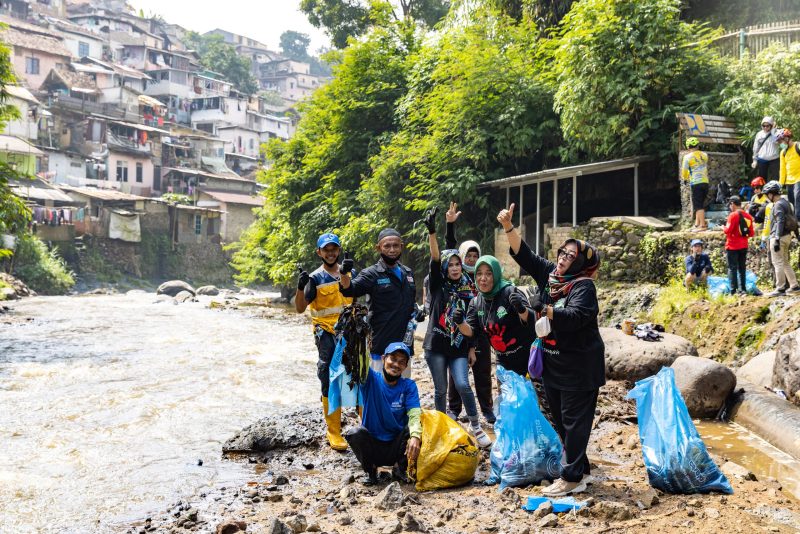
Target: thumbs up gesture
pixel 505 218
pixel 347 264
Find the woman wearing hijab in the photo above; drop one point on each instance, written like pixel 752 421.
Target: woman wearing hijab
pixel 445 346
pixel 574 353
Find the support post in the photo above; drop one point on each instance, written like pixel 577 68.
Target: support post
pixel 555 203
pixel 538 214
pixel 521 209
pixel 636 190
pixel 574 201
pixel 508 197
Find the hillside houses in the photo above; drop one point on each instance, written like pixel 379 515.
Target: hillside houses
pixel 112 102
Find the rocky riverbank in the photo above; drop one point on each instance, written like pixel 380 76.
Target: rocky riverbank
pixel 299 484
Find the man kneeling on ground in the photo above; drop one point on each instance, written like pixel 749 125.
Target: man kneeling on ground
pixel 698 265
pixel 390 435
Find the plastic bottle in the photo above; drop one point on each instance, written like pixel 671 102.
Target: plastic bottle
pixel 408 339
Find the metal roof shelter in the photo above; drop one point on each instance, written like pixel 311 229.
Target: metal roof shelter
pixel 565 173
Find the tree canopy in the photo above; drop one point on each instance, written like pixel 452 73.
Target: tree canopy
pixel 219 56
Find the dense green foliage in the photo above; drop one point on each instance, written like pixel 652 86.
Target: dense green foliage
pixel 219 56
pixel 41 269
pixel 416 118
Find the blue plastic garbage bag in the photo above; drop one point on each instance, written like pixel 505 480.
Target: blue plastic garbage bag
pixel 339 392
pixel 720 285
pixel 527 449
pixel 674 455
pixel 560 506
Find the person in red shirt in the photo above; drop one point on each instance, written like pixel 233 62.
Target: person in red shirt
pixel 738 230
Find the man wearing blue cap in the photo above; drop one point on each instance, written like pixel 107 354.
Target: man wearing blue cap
pixel 698 265
pixel 391 427
pixel 391 290
pixel 319 291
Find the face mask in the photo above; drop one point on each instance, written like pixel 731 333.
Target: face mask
pixel 389 261
pixel 784 146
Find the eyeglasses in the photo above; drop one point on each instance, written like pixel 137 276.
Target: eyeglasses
pixel 567 254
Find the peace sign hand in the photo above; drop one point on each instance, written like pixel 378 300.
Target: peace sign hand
pixel 452 215
pixel 505 218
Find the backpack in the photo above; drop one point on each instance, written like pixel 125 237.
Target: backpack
pixel 723 192
pixel 745 226
pixel 790 225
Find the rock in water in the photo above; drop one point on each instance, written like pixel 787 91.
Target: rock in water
pixel 629 358
pixel 758 370
pixel 284 430
pixel 786 373
pixel 211 291
pixel 391 498
pixel 173 287
pixel 704 384
pixel 184 296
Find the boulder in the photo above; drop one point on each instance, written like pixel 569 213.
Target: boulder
pixel 704 384
pixel 629 358
pixel 211 291
pixel 283 430
pixel 391 498
pixel 184 296
pixel 786 373
pixel 173 287
pixel 8 293
pixel 758 370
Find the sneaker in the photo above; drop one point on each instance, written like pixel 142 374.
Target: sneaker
pixel 795 289
pixel 777 293
pixel 587 479
pixel 371 478
pixel 561 487
pixel 480 436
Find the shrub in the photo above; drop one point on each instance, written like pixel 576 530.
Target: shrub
pixel 41 269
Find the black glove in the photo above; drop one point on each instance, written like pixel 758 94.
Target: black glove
pixel 347 264
pixel 536 303
pixel 458 316
pixel 707 270
pixel 420 315
pixel 517 301
pixel 302 280
pixel 430 220
pixel 777 245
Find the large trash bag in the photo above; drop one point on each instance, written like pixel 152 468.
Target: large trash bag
pixel 674 455
pixel 339 391
pixel 527 449
pixel 720 285
pixel 448 456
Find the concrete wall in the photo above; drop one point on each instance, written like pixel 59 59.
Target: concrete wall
pixel 131 161
pixel 64 233
pixel 63 165
pixel 71 42
pixel 238 218
pixel 25 126
pixel 250 141
pixel 47 62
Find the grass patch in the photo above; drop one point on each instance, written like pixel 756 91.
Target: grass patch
pixel 762 316
pixel 750 336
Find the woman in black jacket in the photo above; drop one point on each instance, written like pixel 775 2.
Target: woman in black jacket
pixel 574 353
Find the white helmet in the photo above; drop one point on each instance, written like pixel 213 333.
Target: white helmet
pixel 769 120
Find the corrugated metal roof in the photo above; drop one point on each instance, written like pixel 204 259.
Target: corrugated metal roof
pixel 21 93
pixel 234 198
pixel 38 190
pixel 102 194
pixel 15 145
pixel 548 175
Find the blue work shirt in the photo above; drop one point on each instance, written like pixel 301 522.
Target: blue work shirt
pixel 386 407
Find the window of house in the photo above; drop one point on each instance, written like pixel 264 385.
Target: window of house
pixel 31 65
pixel 198 224
pixel 291 85
pixel 252 144
pixel 83 49
pixel 210 227
pixel 122 171
pixel 139 173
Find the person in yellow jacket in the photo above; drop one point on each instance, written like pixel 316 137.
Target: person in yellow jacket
pixel 790 167
pixel 694 169
pixel 319 291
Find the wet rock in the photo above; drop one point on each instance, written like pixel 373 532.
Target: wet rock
pixel 628 358
pixel 284 430
pixel 758 370
pixel 184 296
pixel 548 521
pixel 612 511
pixel 211 291
pixel 544 509
pixel 786 372
pixel 231 527
pixel 173 287
pixel 412 524
pixel 277 526
pixel 391 498
pixel 297 523
pixel 704 384
pixel 734 470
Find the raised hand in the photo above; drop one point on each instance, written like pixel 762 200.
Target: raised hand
pixel 452 215
pixel 347 264
pixel 506 217
pixel 430 220
pixel 536 303
pixel 302 279
pixel 517 301
pixel 458 316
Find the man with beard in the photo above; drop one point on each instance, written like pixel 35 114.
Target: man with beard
pixel 391 290
pixel 319 291
pixel 391 428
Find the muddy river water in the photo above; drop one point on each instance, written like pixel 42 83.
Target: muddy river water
pixel 111 407
pixel 108 403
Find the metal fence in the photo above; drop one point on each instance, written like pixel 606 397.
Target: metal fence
pixel 754 39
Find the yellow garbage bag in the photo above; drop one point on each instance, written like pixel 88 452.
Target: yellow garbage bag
pixel 448 456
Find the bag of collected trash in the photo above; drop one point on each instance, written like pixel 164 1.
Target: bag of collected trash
pixel 448 456
pixel 674 455
pixel 720 285
pixel 536 359
pixel 341 390
pixel 527 449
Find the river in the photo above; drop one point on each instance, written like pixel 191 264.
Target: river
pixel 109 403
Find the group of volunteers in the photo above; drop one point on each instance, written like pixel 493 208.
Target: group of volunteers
pixel 776 158
pixel 475 314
